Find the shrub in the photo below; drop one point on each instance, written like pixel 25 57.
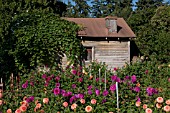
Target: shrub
pixel 81 89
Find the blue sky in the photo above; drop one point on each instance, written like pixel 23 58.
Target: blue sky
pixel 134 1
pixel 66 1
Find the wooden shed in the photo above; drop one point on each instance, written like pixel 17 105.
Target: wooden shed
pixel 106 40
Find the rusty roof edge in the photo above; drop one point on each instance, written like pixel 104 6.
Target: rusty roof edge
pixel 105 36
pixel 111 17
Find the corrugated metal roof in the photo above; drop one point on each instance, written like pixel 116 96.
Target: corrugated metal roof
pixel 96 27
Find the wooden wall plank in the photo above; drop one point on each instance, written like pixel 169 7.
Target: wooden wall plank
pixel 114 53
pixel 129 51
pixel 105 43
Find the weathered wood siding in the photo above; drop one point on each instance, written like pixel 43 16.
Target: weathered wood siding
pixel 113 53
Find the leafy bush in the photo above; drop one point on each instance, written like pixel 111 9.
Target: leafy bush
pixel 37 38
pixel 152 27
pixel 83 89
pixel 40 38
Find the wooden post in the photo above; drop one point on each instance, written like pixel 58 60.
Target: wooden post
pixel 12 81
pixel 105 79
pixel 117 96
pixel 93 53
pixel 129 52
pixel 99 74
pixel 1 85
pixel 90 70
pixel 100 78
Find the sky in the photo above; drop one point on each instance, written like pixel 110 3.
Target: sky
pixel 134 1
pixel 66 1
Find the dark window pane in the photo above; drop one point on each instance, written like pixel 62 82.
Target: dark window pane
pixel 88 54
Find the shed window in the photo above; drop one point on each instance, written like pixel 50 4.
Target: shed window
pixel 88 55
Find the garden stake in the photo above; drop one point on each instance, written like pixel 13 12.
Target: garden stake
pixel 99 75
pixel 105 79
pixel 117 96
pixel 95 76
pixel 90 70
pixel 12 82
pixel 1 85
pixel 99 78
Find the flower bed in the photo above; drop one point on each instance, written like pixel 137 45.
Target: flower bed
pixel 90 90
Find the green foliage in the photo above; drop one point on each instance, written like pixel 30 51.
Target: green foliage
pixel 79 9
pixel 96 9
pixel 103 8
pixel 69 12
pixel 161 24
pixel 77 82
pixel 10 11
pixel 140 18
pixel 107 7
pixel 161 19
pixel 151 26
pixel 149 72
pixel 42 39
pixel 123 8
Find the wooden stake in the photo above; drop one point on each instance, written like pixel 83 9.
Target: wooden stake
pixel 1 85
pixel 117 95
pixel 99 74
pixel 12 82
pixel 90 70
pixel 105 79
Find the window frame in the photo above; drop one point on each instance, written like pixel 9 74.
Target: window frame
pixel 93 53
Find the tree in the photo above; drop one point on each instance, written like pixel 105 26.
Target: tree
pixel 161 19
pixel 96 9
pixel 145 4
pixel 143 14
pixel 70 10
pixel 120 8
pixel 151 28
pixel 108 7
pixel 7 11
pixel 81 8
pixel 161 25
pixel 20 21
pixel 40 38
pixel 10 8
pixel 123 8
pixel 103 8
